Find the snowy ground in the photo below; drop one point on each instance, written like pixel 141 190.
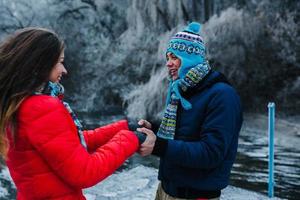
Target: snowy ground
pixel 138 183
pixel 4 175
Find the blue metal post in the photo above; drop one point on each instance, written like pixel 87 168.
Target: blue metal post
pixel 271 129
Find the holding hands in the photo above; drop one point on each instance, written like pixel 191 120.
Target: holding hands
pixel 147 146
pixel 148 143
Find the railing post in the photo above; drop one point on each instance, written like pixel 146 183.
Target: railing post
pixel 271 129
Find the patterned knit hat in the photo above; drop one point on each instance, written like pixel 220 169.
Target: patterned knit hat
pixel 189 47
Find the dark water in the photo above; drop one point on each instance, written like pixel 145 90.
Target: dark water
pixel 250 170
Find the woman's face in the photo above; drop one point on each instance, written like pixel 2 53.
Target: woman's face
pixel 173 65
pixel 58 70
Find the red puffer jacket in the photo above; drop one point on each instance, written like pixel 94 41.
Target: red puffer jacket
pixel 47 160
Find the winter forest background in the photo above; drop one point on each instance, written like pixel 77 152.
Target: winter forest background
pixel 115 53
pixel 115 49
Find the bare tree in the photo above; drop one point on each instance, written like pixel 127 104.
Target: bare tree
pixel 15 15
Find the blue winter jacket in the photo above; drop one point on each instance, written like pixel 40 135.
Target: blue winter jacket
pixel 206 140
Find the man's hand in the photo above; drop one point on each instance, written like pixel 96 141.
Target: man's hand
pixel 147 146
pixel 145 123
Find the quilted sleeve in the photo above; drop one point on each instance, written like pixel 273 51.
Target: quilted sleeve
pixel 54 136
pixel 101 135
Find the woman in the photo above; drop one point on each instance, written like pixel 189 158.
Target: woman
pixel 47 152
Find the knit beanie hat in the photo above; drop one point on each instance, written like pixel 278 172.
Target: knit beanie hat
pixel 189 47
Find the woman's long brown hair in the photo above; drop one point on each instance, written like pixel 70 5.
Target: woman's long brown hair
pixel 26 60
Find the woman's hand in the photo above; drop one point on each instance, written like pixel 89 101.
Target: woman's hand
pixel 147 146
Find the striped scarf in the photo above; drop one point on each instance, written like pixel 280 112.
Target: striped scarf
pixel 57 90
pixel 192 78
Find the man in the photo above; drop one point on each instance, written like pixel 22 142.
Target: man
pixel 198 136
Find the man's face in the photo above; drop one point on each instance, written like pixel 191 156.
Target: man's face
pixel 173 65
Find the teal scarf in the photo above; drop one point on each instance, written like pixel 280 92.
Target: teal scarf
pixel 176 89
pixel 57 90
